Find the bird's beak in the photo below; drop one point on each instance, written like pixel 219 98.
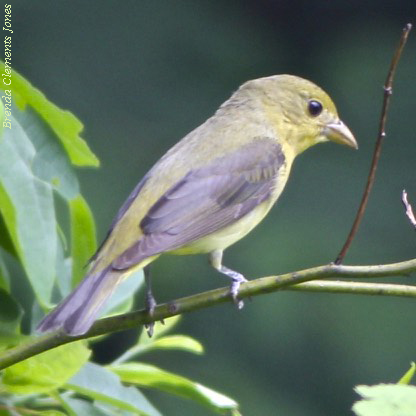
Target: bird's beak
pixel 338 132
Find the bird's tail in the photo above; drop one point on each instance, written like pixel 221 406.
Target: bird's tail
pixel 79 310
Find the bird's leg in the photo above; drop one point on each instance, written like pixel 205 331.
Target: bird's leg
pixel 150 301
pixel 237 278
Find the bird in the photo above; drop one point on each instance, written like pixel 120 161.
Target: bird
pixel 208 191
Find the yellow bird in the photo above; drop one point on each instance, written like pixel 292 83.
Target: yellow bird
pixel 209 190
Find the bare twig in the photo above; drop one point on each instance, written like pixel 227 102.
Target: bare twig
pixel 388 90
pixel 356 288
pixel 408 208
pixel 255 287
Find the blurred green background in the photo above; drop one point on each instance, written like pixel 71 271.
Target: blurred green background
pixel 141 74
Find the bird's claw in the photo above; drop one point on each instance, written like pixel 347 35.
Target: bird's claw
pixel 150 307
pixel 235 286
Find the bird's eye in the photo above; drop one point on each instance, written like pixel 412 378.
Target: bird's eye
pixel 314 108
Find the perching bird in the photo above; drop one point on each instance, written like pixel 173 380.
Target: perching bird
pixel 209 190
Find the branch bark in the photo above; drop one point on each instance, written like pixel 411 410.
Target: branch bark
pixel 388 91
pixel 305 280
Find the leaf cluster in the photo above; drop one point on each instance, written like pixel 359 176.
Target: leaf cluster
pixel 47 235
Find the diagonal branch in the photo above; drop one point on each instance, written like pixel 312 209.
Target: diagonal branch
pixel 388 91
pixel 213 297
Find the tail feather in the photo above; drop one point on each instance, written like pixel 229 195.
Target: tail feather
pixel 80 309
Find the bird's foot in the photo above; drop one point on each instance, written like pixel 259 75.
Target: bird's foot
pixel 234 288
pixel 150 307
pixel 237 278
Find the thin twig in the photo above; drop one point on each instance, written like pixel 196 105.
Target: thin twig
pixel 357 288
pixel 408 208
pixel 388 90
pixel 255 287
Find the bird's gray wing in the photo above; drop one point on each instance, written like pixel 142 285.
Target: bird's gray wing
pixel 208 199
pixel 120 214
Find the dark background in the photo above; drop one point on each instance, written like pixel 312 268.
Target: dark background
pixel 141 74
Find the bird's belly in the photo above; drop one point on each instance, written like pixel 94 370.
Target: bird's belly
pixel 227 236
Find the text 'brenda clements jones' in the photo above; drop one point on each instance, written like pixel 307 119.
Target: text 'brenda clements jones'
pixel 7 75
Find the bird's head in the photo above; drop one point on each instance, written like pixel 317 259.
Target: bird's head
pixel 301 112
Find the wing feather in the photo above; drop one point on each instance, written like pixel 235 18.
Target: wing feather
pixel 208 199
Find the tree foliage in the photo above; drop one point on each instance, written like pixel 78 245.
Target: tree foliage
pixel 47 235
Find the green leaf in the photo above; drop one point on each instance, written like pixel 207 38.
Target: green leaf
pixel 95 408
pixel 122 299
pixel 110 410
pixel 159 330
pixel 83 241
pixel 100 384
pixel 146 375
pixel 178 342
pixel 407 377
pixel 10 313
pixel 26 204
pixel 4 275
pixel 83 407
pixel 386 400
pixel 8 340
pixel 63 270
pixel 170 342
pixel 145 343
pixel 51 162
pixel 5 240
pixel 65 125
pixel 46 371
